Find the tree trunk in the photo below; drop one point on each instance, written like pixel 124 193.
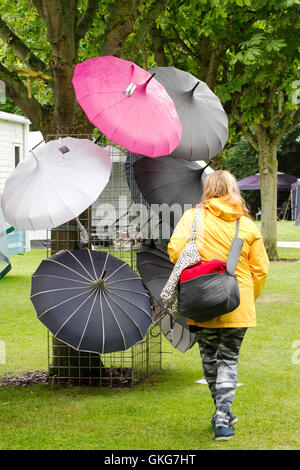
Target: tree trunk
pixel 68 364
pixel 268 166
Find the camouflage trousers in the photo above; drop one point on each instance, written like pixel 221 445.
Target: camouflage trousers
pixel 219 349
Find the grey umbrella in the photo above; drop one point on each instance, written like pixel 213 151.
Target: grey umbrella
pixel 203 119
pixel 174 184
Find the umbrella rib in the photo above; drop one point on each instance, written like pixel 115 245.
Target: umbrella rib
pixel 61 303
pixel 73 313
pixel 122 265
pixel 131 303
pixel 48 260
pixel 104 266
pixel 123 280
pixel 70 184
pixel 87 322
pixel 125 112
pixel 35 185
pixel 168 184
pixel 190 126
pixel 129 290
pixel 170 121
pixel 83 267
pixel 213 127
pixel 55 290
pixel 60 277
pixel 137 120
pixel 125 346
pixel 123 98
pixel 200 131
pixel 57 195
pixel 126 313
pixel 212 104
pixel 92 263
pixel 102 323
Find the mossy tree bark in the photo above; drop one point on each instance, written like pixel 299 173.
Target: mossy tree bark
pixel 268 166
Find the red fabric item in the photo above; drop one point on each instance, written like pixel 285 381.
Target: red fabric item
pixel 215 265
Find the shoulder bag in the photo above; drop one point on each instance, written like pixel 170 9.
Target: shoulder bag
pixel 210 289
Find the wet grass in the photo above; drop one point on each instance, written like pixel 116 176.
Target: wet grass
pixel 169 411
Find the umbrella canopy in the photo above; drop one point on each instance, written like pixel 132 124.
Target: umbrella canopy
pixel 155 267
pixel 4 255
pixel 203 119
pixel 61 180
pixel 284 181
pixel 91 301
pixel 169 182
pixel 127 105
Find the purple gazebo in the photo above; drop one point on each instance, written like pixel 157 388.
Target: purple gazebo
pixel 284 181
pixel 296 202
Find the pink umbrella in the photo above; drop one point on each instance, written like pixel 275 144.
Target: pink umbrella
pixel 128 105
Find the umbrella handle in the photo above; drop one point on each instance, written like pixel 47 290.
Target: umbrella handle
pixel 36 145
pixel 194 88
pixel 150 78
pixel 84 236
pixel 98 138
pixel 156 323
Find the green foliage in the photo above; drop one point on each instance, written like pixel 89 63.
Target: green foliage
pixel 31 29
pixel 241 160
pixel 10 107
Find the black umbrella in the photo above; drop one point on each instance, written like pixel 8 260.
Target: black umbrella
pixel 91 301
pixel 155 267
pixel 174 184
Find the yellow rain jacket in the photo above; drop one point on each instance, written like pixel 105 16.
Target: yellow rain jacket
pixel 219 229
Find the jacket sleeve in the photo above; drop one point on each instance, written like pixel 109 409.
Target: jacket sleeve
pixel 181 235
pixel 259 264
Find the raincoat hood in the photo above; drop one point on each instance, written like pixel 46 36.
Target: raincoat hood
pixel 220 207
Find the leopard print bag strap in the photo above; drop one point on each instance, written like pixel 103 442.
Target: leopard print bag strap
pixel 190 255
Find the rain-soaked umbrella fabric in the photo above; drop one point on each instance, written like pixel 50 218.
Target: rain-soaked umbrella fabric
pixel 56 184
pixel 91 301
pixel 284 181
pixel 155 267
pixel 173 184
pixel 129 107
pixel 203 119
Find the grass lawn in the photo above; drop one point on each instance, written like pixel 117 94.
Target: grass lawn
pixel 169 411
pixel 287 230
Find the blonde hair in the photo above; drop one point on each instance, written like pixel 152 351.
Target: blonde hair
pixel 223 184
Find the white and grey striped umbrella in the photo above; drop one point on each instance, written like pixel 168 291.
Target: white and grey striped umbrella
pixel 203 119
pixel 91 301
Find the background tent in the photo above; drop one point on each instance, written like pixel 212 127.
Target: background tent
pixel 284 181
pixel 296 202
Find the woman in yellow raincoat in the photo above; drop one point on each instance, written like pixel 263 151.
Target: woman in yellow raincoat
pixel 220 339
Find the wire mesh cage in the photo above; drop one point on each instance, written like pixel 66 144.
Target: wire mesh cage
pixel 120 369
pixel 116 223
